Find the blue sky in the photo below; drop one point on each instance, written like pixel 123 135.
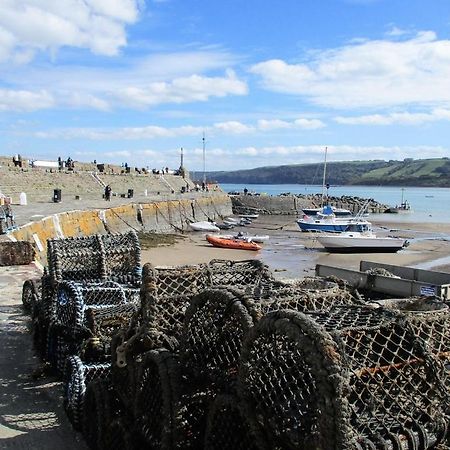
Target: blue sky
pixel 269 82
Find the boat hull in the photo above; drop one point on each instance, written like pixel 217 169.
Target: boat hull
pixel 338 212
pixel 232 243
pixel 204 226
pixel 363 249
pixel 331 227
pixel 341 244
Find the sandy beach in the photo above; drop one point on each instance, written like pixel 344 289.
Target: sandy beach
pixel 293 254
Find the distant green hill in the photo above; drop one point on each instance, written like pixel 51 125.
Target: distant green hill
pixel 409 172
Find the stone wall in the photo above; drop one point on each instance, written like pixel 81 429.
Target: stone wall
pixel 158 217
pixel 293 204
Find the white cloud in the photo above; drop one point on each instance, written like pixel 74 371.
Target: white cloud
pixel 153 132
pixel 234 127
pixel 182 90
pixel 309 124
pixel 274 124
pixel 367 74
pixel 127 133
pixel 397 118
pixel 24 101
pixel 27 26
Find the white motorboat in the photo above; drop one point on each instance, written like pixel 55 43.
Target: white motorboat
pixel 326 221
pixel 361 242
pixel 204 226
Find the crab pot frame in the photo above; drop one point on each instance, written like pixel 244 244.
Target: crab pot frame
pixel 227 427
pixel 353 377
pixel 169 412
pixel 77 375
pixel 90 260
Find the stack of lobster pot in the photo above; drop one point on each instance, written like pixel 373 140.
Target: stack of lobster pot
pixel 355 377
pixel 216 324
pixel 175 370
pixel 147 380
pixel 91 290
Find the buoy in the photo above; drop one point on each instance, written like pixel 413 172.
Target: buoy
pixel 23 199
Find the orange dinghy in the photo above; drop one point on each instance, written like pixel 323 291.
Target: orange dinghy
pixel 232 243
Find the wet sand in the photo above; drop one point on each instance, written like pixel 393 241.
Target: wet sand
pixel 293 254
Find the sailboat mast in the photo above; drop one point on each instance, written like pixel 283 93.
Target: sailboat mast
pixel 324 174
pixel 204 159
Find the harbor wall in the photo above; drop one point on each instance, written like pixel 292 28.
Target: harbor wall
pixel 157 217
pixel 293 204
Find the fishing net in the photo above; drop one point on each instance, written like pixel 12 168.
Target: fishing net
pixel 169 412
pixel 77 376
pixel 353 377
pixel 86 317
pixel 100 409
pixel 121 435
pixel 214 327
pixel 95 258
pixel 227 427
pixel 309 294
pixel 238 273
pixel 430 320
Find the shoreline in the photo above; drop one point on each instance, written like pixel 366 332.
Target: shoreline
pixel 289 253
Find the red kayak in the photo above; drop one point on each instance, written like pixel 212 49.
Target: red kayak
pixel 237 244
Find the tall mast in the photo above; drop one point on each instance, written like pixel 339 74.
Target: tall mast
pixel 204 159
pixel 324 174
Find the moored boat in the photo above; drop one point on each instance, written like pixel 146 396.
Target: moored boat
pixel 260 238
pixel 204 226
pixel 248 216
pixel 338 212
pixel 328 222
pixel 366 242
pixel 237 244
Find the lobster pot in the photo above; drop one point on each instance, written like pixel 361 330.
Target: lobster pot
pixel 122 257
pixel 227 427
pixel 77 376
pixel 95 258
pixel 75 300
pixel 310 294
pixel 169 412
pixel 77 259
pixel 430 320
pixel 166 281
pixel 214 327
pixel 238 273
pixel 123 371
pixel 353 377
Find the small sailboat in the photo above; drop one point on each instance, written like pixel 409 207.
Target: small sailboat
pixel 326 219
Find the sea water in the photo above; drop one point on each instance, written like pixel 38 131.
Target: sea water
pixel 428 204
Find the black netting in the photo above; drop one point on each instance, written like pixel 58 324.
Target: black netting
pixel 238 273
pixel 170 413
pixel 215 325
pixel 76 377
pixel 95 258
pixel 331 379
pixel 227 427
